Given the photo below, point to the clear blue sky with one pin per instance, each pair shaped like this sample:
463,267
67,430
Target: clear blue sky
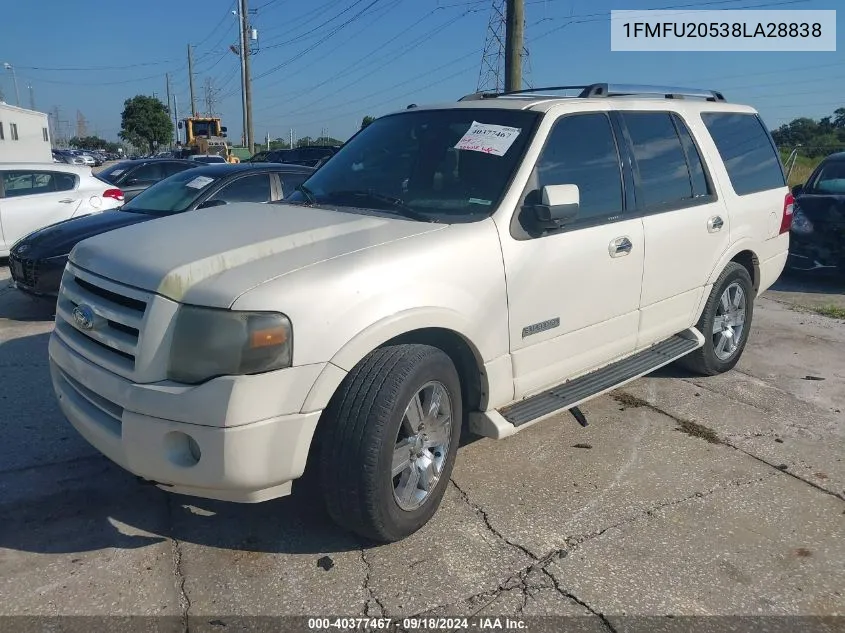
326,63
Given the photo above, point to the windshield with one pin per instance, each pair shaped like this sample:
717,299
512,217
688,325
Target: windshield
205,128
439,165
114,173
830,179
171,195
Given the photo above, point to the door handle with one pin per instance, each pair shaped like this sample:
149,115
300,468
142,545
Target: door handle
715,224
67,200
620,246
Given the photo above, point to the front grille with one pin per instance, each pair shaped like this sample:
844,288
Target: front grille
113,338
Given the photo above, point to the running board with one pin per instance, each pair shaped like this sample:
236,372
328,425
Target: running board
570,394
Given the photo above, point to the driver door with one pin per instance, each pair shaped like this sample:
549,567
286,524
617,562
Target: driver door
574,292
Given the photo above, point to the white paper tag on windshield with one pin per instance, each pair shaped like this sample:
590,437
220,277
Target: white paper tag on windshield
199,182
117,172
488,138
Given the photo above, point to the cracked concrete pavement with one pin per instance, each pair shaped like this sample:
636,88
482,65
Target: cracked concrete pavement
684,496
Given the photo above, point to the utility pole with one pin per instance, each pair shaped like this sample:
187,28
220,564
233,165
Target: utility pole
514,43
167,79
191,79
246,80
176,117
11,68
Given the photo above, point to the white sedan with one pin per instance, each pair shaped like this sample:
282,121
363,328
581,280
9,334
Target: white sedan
34,195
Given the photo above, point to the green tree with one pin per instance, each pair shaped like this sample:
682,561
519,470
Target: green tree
366,121
145,122
93,143
839,118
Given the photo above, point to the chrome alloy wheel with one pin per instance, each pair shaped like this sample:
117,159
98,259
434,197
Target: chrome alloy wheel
422,445
729,323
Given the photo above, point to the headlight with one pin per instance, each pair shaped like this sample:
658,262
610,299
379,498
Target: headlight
801,223
209,342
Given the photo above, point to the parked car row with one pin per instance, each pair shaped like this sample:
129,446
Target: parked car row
37,260
82,157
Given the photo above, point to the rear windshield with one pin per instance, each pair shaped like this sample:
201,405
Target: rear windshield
747,150
114,173
171,195
830,178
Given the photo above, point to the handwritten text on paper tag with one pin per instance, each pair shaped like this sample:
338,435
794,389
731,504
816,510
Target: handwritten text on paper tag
488,138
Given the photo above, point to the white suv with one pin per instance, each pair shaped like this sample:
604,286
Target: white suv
482,264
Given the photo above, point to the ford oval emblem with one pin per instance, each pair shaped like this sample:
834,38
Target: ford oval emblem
84,317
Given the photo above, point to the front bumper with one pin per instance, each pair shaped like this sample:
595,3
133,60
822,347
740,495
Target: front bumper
247,462
39,277
820,251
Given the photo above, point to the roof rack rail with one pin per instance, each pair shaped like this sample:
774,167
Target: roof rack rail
606,90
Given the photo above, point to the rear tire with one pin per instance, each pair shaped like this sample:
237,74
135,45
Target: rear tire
390,439
725,323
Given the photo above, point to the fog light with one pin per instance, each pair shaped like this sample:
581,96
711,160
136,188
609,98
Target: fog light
182,449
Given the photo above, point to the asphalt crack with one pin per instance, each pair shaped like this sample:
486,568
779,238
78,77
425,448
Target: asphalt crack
373,598
708,434
482,514
601,616
178,573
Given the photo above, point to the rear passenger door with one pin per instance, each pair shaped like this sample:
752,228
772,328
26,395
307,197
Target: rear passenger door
574,292
34,199
686,224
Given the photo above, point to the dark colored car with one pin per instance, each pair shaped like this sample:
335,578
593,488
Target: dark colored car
817,238
310,155
133,176
43,254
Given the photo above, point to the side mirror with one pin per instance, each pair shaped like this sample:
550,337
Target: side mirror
559,205
797,190
212,203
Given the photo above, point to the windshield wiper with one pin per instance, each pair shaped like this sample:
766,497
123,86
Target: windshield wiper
395,204
309,195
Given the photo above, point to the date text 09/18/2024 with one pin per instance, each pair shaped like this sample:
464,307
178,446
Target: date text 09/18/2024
417,624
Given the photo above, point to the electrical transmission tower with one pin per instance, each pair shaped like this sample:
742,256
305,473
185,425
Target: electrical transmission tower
211,95
491,78
81,125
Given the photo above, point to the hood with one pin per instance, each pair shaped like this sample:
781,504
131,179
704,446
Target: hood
58,239
213,256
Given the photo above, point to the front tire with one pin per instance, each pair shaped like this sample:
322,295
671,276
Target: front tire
390,441
725,323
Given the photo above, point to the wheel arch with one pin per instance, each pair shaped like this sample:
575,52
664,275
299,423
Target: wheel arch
441,328
741,253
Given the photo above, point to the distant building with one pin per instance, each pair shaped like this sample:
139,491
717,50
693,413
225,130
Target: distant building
24,136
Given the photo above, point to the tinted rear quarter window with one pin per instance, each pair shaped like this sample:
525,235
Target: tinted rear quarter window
747,150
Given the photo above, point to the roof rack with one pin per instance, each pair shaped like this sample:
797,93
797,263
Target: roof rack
604,90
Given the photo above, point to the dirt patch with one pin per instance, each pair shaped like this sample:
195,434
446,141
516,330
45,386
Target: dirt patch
698,430
628,401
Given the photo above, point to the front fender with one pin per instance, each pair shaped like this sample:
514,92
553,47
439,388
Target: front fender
377,334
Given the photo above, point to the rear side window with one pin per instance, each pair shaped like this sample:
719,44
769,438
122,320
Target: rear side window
291,181
28,183
581,150
747,151
145,174
255,188
664,177
175,168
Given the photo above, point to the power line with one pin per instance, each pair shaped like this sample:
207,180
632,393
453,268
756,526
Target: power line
316,28
391,56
